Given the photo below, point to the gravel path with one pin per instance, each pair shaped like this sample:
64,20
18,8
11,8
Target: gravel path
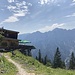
21,71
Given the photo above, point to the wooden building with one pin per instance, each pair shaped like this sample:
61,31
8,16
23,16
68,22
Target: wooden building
9,38
10,41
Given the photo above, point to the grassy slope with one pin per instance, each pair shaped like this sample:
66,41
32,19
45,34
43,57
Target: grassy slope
32,65
6,68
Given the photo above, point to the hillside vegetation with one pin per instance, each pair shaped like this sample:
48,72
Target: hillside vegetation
32,65
7,68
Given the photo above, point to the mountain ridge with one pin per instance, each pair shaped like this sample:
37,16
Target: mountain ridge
48,42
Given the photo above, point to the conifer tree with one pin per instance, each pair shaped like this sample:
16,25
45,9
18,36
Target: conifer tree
42,61
36,58
57,62
49,64
39,58
72,62
63,64
45,60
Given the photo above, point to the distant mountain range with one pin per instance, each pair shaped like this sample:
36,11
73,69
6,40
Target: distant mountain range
48,42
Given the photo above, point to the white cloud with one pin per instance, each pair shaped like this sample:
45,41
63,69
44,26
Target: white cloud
73,0
72,15
20,4
10,19
20,14
10,1
47,1
11,7
56,2
44,1
50,28
19,9
29,4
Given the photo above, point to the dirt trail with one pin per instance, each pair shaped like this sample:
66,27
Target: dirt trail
21,71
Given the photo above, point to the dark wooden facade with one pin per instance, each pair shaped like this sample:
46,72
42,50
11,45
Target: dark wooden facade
10,38
9,33
10,41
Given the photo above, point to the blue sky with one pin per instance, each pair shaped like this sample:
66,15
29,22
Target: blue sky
28,16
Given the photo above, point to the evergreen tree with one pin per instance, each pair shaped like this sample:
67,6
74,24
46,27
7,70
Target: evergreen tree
57,62
45,60
63,65
39,58
42,61
36,58
72,62
49,64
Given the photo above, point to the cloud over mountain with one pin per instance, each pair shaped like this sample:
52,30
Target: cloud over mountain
50,28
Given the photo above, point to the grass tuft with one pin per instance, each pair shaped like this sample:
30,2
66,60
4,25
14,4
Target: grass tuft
7,68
